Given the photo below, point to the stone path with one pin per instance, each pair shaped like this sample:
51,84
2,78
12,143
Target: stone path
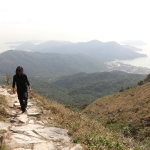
26,132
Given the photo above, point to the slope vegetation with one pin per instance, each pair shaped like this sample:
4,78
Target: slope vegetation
127,111
84,88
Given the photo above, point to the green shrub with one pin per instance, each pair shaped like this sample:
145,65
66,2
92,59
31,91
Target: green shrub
131,130
140,83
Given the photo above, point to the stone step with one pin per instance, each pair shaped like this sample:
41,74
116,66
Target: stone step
4,126
23,118
33,111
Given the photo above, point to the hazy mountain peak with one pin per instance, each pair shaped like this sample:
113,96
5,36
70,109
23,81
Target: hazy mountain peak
105,51
53,43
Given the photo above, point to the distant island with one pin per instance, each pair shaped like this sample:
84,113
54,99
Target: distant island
104,51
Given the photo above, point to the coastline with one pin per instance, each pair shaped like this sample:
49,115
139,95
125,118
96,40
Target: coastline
142,61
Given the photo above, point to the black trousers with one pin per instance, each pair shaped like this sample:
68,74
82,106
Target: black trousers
23,98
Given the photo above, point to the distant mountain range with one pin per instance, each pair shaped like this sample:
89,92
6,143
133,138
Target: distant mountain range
104,51
47,64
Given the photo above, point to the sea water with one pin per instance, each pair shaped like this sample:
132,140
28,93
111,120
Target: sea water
143,61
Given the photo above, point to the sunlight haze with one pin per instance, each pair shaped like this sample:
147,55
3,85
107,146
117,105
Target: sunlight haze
74,20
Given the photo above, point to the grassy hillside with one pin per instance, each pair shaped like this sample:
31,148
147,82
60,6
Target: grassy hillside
127,112
89,132
84,88
43,64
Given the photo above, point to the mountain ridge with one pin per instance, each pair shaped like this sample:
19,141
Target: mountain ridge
106,51
47,64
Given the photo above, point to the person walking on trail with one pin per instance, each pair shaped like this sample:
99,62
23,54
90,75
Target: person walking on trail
21,81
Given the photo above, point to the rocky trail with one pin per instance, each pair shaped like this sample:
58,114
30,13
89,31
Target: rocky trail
25,131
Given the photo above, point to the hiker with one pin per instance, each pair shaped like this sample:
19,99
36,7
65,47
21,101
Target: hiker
22,84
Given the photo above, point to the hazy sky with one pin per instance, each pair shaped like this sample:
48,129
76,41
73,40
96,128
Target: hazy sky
74,20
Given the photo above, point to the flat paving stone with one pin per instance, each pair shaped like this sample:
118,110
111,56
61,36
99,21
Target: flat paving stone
53,133
31,121
4,126
33,111
23,118
44,146
28,127
24,140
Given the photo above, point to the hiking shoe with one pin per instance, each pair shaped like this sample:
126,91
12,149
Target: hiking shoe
23,111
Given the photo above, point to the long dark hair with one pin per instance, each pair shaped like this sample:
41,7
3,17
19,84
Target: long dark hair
19,70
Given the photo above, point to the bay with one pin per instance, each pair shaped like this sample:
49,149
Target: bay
140,62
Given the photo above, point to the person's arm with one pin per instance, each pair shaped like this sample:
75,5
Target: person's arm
28,83
29,88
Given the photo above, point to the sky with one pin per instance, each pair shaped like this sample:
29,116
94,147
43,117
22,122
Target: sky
74,20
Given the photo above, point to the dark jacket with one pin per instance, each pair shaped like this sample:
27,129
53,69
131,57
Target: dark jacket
21,82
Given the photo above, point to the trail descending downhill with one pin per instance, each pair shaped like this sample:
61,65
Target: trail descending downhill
28,131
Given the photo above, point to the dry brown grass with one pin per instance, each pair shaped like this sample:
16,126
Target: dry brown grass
4,146
92,134
129,106
3,106
3,117
127,112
